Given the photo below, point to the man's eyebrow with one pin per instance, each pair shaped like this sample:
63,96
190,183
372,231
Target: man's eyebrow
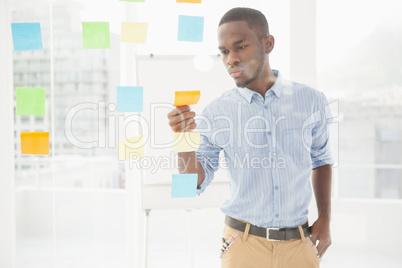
235,43
239,42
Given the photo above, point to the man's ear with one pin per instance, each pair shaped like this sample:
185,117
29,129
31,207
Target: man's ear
269,43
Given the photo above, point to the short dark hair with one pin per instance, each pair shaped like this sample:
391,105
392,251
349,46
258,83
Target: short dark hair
255,19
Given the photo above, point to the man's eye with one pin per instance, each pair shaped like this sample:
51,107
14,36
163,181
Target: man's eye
242,47
223,52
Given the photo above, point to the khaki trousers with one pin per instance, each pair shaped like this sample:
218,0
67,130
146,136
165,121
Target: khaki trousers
249,251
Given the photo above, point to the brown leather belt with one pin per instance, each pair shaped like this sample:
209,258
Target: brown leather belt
271,234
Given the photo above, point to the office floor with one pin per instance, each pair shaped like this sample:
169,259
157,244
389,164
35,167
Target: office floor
168,247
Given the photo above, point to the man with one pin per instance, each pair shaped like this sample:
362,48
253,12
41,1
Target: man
274,135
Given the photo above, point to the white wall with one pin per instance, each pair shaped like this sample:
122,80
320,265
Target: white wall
7,222
357,225
79,213
372,225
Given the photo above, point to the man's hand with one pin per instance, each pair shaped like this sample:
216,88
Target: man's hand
322,180
181,119
321,231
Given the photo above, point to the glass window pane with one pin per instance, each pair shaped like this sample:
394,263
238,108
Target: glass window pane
70,204
358,54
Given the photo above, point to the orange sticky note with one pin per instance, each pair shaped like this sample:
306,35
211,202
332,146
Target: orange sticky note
35,143
186,97
189,1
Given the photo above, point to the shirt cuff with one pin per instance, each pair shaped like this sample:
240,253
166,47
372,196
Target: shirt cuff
207,178
319,163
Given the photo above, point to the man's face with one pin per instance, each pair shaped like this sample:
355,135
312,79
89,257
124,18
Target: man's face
242,52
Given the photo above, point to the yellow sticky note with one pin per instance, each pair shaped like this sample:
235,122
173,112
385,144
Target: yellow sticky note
35,143
131,148
186,141
134,32
186,97
189,1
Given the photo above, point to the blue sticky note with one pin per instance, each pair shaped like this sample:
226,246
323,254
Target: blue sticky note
26,36
190,28
184,185
129,99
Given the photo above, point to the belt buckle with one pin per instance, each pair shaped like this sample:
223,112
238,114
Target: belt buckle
274,229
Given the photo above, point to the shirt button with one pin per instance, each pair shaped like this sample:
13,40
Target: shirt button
276,215
269,132
276,187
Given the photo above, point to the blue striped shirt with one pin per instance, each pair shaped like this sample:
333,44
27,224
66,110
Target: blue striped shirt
270,147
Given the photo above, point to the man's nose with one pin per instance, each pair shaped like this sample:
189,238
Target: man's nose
233,58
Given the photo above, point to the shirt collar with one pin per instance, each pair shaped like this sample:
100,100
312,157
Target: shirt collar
276,88
247,93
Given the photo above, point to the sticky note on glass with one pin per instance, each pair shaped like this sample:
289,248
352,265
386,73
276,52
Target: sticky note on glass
26,36
189,1
184,185
186,141
191,28
95,35
35,143
134,32
186,97
129,99
30,101
131,148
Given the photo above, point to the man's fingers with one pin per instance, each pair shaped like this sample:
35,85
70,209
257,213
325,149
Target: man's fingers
322,252
322,247
183,108
180,118
313,238
320,232
185,124
189,127
178,110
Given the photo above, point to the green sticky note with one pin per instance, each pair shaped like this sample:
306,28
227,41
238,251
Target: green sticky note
132,0
95,35
30,101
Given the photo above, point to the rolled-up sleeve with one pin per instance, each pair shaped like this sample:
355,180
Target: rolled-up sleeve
320,148
207,153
